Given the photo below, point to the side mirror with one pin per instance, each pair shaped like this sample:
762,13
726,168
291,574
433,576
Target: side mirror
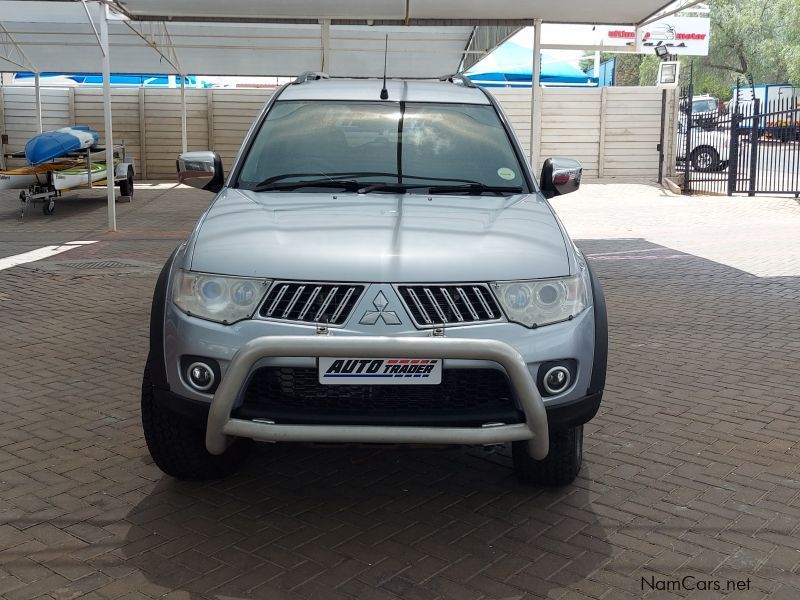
560,176
202,170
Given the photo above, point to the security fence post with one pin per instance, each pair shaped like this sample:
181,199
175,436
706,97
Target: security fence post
754,134
687,149
733,152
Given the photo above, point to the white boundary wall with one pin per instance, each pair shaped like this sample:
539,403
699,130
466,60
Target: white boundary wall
612,131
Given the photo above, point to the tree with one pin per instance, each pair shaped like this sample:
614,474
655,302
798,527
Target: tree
626,69
755,38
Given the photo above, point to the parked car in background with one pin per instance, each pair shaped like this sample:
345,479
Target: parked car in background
710,149
705,112
380,266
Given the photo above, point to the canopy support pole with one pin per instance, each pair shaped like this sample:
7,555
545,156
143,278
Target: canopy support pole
37,91
325,35
112,207
597,66
536,93
184,137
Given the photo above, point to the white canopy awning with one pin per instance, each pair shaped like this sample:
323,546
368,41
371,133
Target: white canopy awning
236,49
61,38
402,12
427,38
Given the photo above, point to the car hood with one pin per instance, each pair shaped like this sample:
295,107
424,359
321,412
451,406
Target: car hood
379,237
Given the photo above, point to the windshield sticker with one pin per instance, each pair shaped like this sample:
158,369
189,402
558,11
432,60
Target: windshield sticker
506,173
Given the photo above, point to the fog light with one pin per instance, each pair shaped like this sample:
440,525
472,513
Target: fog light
556,380
200,376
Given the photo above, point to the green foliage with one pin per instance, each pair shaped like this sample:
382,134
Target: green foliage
755,38
627,68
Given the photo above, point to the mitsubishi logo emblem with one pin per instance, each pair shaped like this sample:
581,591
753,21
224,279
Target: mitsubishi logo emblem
380,303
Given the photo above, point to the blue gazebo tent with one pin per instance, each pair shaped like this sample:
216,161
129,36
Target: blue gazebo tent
511,64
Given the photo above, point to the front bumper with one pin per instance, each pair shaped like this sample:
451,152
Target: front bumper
221,425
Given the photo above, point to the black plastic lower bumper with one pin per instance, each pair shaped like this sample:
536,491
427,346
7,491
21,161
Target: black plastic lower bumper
570,414
574,413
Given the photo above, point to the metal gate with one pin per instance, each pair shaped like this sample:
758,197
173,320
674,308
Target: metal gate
748,148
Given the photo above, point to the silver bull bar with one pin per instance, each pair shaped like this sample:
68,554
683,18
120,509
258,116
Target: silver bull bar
221,426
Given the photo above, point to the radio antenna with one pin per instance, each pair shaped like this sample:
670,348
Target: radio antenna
384,91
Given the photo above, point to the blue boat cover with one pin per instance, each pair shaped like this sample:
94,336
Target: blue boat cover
54,144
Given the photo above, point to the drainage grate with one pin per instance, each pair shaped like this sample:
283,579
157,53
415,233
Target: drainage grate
95,267
102,264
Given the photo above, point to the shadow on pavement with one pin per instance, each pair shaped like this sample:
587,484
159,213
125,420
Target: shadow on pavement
328,521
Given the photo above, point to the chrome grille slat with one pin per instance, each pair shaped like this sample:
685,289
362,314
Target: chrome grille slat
311,302
278,298
452,304
468,303
293,301
422,312
307,305
479,294
436,306
325,304
342,304
460,304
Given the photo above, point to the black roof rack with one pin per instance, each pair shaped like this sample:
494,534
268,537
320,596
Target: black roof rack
310,76
458,79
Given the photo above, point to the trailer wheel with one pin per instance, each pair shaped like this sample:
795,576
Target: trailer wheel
49,207
126,185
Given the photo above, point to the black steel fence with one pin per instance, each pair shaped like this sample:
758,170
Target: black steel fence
749,146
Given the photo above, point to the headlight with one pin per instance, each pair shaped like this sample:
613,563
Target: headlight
216,298
544,301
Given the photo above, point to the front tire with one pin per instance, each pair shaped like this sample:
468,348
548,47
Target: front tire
559,467
178,448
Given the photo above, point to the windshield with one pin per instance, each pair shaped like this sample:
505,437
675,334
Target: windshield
414,144
704,106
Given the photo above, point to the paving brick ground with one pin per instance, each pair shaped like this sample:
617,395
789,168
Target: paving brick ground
692,466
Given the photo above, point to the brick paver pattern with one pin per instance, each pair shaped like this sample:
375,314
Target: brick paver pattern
692,467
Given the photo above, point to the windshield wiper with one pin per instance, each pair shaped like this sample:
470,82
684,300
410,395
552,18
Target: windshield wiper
272,183
470,188
345,184
329,177
475,189
391,187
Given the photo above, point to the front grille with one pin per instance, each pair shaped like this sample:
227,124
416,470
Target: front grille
294,395
431,305
329,303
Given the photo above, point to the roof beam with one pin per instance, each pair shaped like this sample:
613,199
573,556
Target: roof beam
91,22
158,28
10,47
660,14
483,40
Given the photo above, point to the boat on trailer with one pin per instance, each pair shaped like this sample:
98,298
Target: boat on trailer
79,176
24,177
49,145
82,169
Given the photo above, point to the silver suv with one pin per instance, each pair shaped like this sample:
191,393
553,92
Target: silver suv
380,266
